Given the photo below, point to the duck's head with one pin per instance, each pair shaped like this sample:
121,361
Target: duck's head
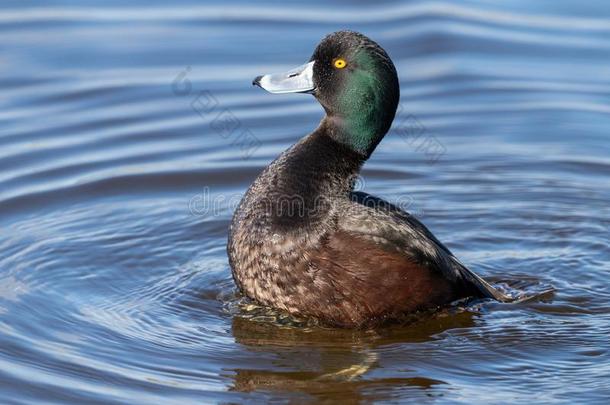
355,81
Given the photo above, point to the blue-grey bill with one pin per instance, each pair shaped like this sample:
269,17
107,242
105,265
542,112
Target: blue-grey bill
299,80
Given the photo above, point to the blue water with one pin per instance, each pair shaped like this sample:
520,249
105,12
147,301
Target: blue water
128,133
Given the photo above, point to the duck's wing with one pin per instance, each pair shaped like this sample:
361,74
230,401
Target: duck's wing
387,225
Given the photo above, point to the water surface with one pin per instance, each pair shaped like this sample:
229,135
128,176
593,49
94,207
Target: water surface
128,132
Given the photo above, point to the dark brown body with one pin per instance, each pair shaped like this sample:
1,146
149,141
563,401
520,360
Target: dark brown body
348,259
371,285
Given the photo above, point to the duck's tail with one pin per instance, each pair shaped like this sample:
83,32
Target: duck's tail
485,289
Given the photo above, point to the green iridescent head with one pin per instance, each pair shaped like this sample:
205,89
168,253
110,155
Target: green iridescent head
355,81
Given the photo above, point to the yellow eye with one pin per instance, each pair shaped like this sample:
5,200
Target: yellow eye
340,63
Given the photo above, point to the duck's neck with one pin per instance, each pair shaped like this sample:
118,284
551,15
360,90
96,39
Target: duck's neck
301,187
361,128
321,164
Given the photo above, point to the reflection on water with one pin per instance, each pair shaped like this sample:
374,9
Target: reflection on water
117,187
330,363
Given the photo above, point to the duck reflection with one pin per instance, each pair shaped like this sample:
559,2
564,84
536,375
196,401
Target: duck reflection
349,364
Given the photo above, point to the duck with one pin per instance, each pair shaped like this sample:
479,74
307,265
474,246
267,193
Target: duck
302,240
